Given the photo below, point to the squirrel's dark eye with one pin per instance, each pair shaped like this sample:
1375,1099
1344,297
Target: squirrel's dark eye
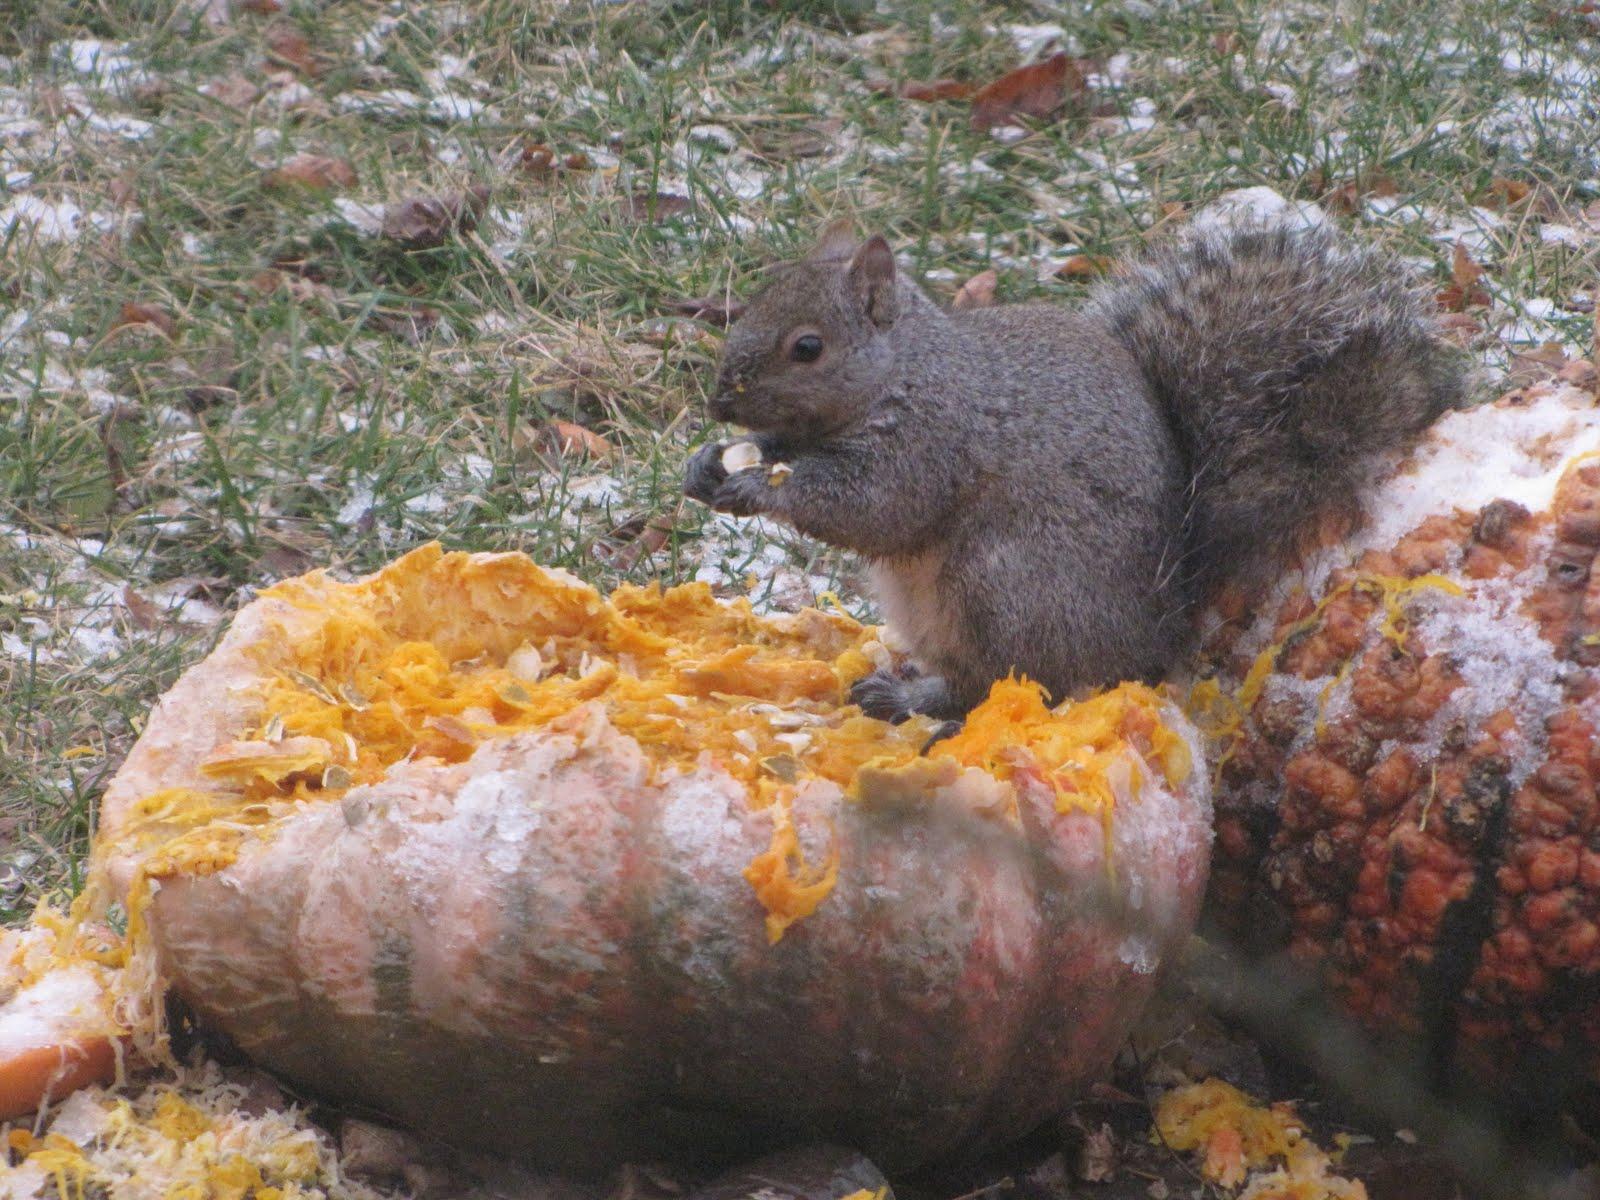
806,348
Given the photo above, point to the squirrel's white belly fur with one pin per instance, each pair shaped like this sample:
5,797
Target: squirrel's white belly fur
909,599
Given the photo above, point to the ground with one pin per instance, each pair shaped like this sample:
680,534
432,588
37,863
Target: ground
288,284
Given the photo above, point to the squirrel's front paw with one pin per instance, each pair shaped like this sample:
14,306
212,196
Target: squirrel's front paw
705,473
742,494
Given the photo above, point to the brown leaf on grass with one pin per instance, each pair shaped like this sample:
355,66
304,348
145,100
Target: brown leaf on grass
633,541
1464,290
1346,198
423,222
291,48
938,89
234,91
122,189
260,8
1084,266
265,282
1037,91
647,207
411,324
135,312
720,311
210,378
1458,328
1534,366
787,142
1504,193
571,440
977,292
143,612
537,159
284,560
317,172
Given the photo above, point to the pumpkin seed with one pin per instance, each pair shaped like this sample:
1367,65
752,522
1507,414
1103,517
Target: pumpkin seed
785,766
311,684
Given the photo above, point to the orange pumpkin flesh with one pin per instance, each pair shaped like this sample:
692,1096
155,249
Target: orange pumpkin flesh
579,878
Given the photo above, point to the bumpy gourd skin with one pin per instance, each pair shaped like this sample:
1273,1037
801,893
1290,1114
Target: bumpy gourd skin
1409,800
554,947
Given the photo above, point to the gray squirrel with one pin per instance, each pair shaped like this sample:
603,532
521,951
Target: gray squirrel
1057,493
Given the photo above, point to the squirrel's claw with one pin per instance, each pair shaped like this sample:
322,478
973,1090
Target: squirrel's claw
945,729
882,695
705,473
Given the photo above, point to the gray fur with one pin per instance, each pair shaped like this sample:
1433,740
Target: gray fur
1052,493
1285,360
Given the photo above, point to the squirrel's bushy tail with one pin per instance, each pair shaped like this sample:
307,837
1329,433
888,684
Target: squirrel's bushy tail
1286,360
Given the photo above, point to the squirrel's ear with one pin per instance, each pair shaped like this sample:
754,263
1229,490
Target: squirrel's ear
838,241
872,279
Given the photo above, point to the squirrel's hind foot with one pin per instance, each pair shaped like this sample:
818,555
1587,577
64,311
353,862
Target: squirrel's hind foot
894,698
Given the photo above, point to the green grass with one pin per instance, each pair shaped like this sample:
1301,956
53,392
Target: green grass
329,397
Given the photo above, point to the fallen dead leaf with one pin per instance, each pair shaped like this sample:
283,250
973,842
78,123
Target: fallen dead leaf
787,142
315,171
122,189
977,292
265,282
537,159
283,561
136,313
423,222
1459,328
236,92
144,613
291,48
569,439
411,324
639,546
1533,366
642,207
1038,91
260,8
938,89
720,311
1464,290
1346,198
1504,193
1084,266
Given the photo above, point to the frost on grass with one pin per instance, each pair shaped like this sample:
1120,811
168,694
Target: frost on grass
68,610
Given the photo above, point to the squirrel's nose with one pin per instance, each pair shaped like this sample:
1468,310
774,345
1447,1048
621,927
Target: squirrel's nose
724,401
